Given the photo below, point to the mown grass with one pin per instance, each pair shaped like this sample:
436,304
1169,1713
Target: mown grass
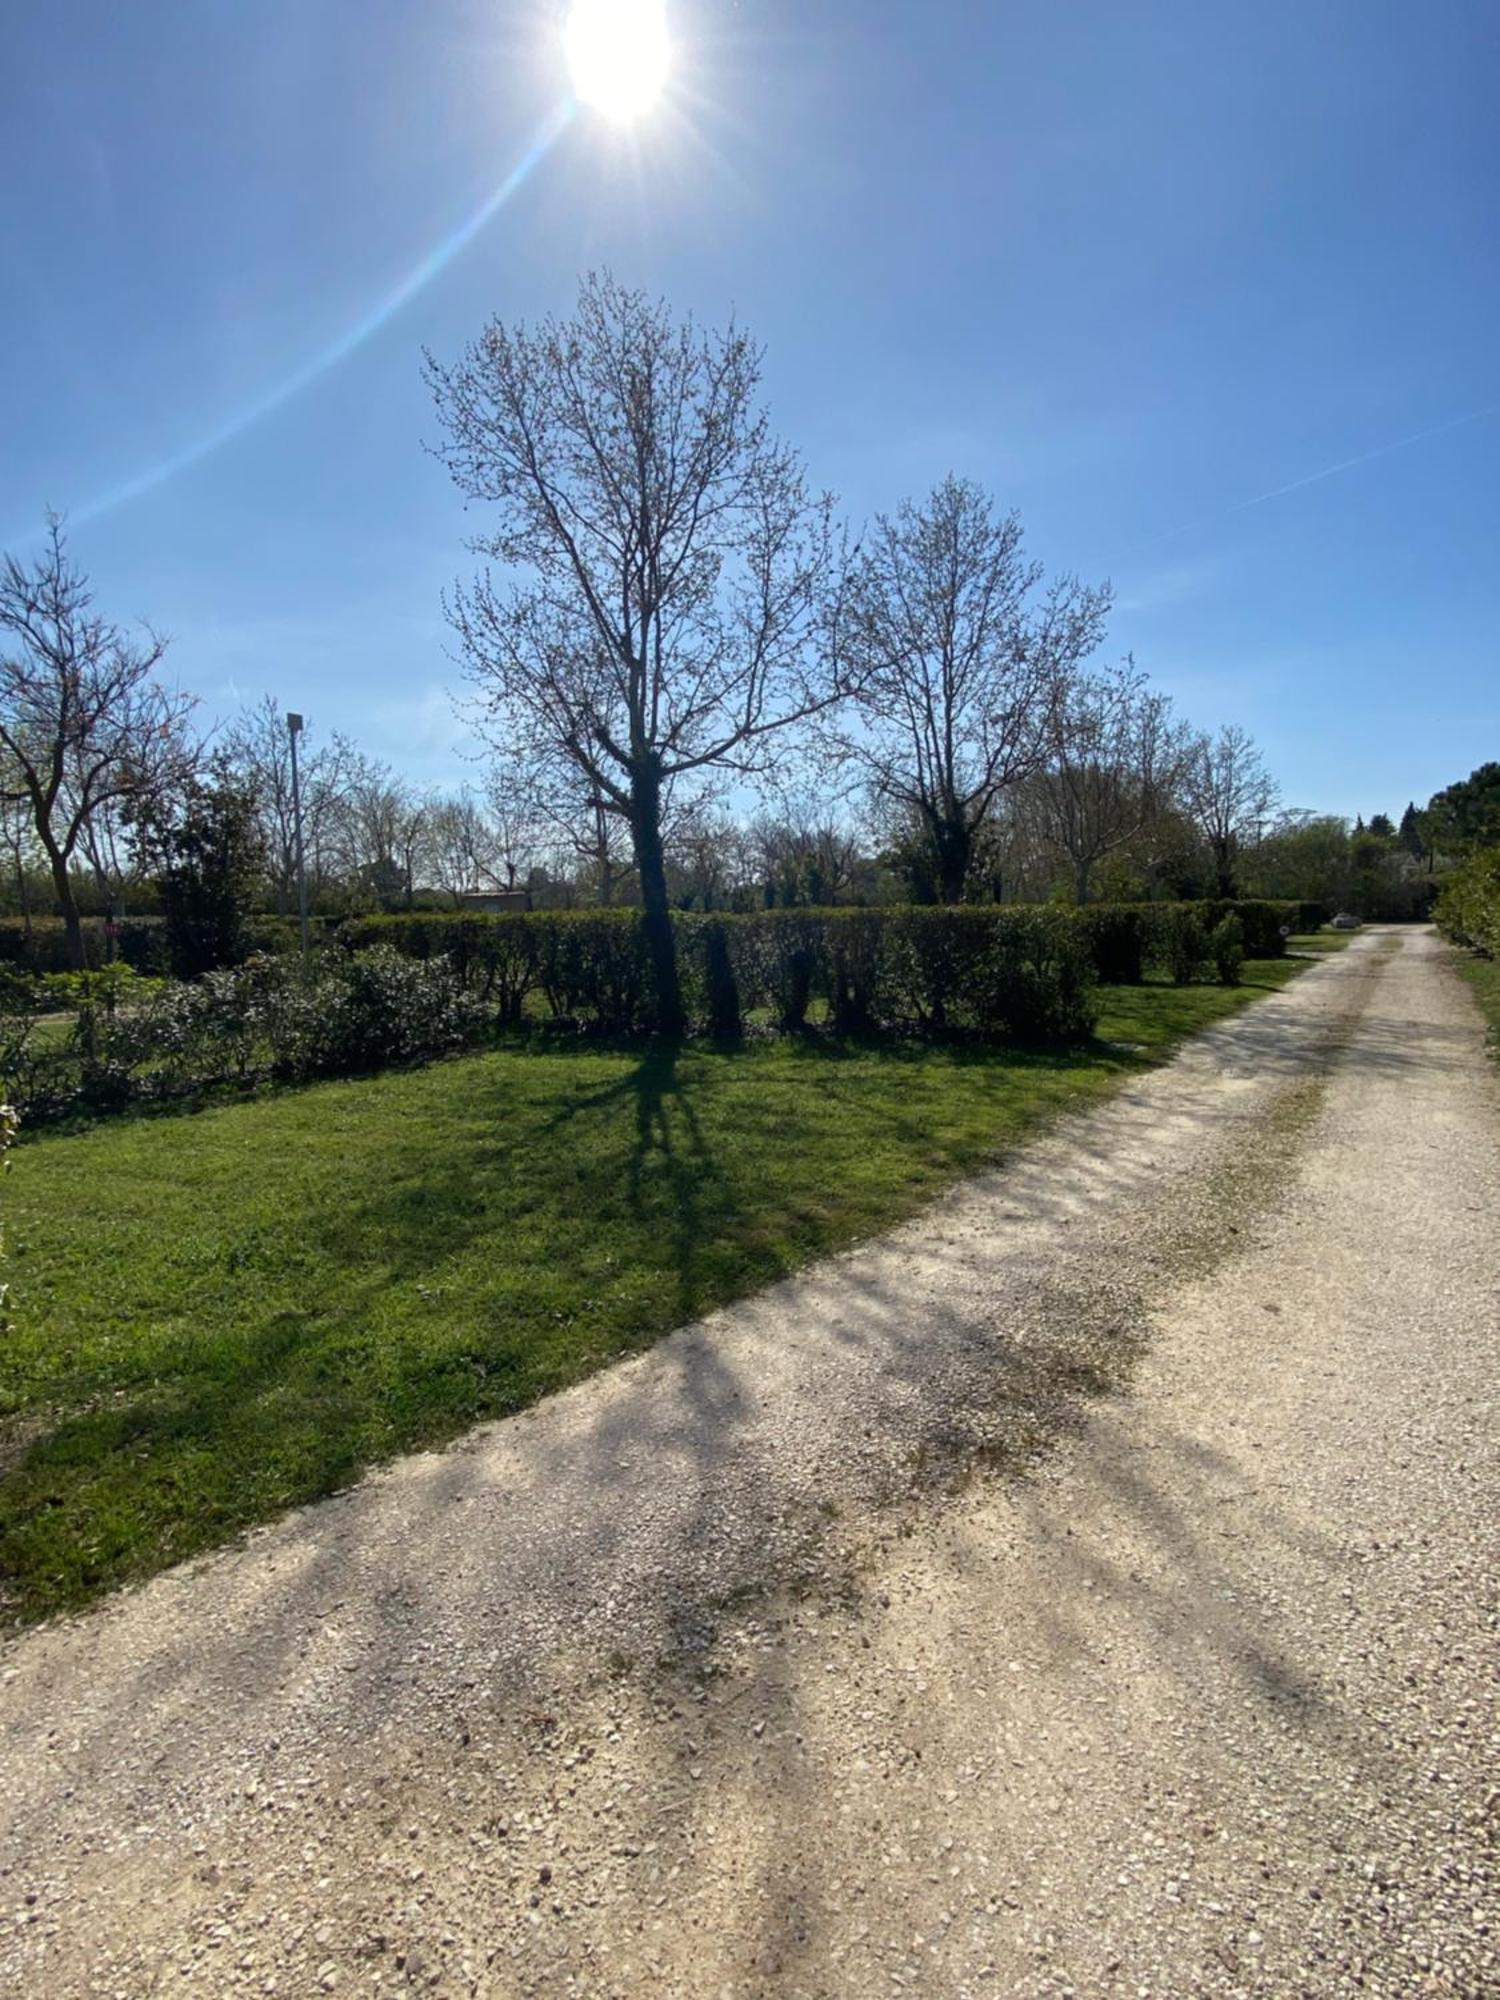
1321,941
219,1315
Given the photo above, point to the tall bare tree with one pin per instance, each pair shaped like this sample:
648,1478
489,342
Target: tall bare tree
18,831
382,831
543,805
676,610
801,849
258,748
1114,762
961,660
519,818
86,729
1230,797
462,845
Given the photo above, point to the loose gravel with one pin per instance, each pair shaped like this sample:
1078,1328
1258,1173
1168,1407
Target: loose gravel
1088,1588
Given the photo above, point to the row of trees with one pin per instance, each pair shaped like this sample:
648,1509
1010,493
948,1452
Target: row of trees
692,684
670,609
115,801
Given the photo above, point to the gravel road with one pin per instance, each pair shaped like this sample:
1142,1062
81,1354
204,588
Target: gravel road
1088,1588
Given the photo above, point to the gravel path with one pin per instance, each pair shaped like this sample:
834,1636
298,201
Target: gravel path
1088,1588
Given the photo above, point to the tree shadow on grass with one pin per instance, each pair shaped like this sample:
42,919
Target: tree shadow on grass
292,1405
289,1406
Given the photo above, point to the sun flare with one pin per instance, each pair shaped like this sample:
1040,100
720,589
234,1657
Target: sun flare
618,53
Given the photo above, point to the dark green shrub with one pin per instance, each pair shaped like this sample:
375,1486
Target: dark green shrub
1041,980
722,1014
1117,936
1468,906
139,942
1261,924
367,1011
937,963
1180,942
1226,941
594,968
858,969
1022,973
269,937
788,949
211,857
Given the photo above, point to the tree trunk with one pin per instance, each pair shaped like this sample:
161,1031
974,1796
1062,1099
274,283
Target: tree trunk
955,847
23,889
67,902
1082,871
645,829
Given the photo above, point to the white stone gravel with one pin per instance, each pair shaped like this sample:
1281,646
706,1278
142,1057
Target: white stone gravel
847,1644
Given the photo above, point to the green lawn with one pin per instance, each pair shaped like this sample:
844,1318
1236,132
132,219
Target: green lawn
1321,941
220,1314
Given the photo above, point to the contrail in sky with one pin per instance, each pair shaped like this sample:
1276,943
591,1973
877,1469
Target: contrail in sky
1364,457
1327,472
340,349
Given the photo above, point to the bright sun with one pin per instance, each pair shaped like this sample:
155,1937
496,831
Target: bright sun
618,53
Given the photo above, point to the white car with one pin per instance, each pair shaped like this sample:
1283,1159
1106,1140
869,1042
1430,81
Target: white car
1344,921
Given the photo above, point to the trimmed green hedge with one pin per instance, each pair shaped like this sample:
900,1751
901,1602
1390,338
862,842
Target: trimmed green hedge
1021,973
1468,906
140,943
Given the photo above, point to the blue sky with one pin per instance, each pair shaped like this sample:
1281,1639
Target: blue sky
1133,267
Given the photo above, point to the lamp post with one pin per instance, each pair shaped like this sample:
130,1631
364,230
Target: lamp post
294,730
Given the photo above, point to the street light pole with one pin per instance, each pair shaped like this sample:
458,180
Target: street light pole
294,730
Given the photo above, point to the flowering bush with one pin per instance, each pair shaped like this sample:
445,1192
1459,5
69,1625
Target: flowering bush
369,1011
244,1024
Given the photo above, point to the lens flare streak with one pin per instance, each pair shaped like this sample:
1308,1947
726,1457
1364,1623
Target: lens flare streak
354,337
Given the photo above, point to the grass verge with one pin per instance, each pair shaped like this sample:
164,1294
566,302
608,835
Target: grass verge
1483,975
221,1315
1321,941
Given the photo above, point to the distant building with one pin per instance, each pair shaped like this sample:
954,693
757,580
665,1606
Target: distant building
494,902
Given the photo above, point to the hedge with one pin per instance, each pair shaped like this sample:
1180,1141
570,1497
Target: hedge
242,1026
1468,905
140,943
1022,973
405,988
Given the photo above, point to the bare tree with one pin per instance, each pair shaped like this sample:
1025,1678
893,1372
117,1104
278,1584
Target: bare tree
1114,762
705,856
803,852
382,830
108,843
543,803
258,748
677,611
19,833
462,845
591,848
519,820
85,728
960,668
1230,797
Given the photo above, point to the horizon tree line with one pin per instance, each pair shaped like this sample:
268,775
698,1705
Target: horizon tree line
693,682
